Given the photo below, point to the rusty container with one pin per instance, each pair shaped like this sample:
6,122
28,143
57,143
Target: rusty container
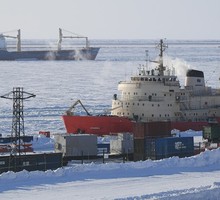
139,149
151,129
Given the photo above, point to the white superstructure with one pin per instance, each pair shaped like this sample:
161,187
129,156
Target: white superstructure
156,95
3,46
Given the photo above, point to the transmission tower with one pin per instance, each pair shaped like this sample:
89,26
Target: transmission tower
18,97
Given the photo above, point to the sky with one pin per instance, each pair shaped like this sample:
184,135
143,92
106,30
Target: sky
113,19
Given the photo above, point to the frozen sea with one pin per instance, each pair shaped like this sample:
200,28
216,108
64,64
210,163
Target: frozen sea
58,84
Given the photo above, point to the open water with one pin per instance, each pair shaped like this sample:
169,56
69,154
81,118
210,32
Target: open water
58,84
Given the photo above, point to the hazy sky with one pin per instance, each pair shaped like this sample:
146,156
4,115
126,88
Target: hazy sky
113,19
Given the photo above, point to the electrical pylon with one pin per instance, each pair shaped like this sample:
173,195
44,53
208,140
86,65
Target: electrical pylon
18,96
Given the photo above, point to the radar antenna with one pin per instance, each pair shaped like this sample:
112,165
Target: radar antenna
162,48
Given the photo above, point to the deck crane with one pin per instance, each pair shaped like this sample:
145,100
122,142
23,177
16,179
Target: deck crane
74,35
70,110
18,37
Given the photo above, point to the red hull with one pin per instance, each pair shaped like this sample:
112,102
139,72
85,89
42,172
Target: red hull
99,125
106,125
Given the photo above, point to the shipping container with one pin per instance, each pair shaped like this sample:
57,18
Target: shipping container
167,147
10,139
30,162
122,144
139,149
76,145
212,133
151,129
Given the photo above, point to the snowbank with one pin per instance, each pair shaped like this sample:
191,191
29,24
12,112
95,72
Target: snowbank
206,162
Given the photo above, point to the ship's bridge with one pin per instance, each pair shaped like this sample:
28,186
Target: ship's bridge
168,79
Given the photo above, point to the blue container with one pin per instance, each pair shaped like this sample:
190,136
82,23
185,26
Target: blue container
10,139
31,162
167,147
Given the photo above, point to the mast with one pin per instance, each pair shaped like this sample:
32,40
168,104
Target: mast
60,39
19,40
162,48
87,42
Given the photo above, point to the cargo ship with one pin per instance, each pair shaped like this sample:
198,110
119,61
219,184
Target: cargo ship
154,95
84,53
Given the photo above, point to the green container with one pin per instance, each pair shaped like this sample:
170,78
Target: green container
212,133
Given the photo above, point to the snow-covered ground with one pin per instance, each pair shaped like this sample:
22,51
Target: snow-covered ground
197,177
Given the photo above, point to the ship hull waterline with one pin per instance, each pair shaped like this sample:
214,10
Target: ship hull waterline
107,125
75,54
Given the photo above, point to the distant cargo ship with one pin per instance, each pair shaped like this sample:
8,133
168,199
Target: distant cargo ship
85,53
154,95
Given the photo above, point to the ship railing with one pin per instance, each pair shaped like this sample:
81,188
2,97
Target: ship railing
216,92
138,80
45,45
202,93
187,106
208,91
